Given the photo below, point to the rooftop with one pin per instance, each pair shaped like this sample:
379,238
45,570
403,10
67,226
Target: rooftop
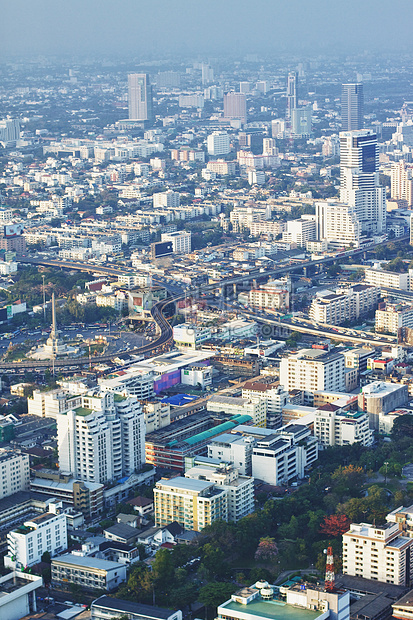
273,610
87,562
145,611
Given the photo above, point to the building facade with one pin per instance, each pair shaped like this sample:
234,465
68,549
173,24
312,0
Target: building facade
352,107
140,97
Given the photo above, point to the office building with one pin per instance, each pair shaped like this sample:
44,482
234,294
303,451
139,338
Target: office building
312,370
333,426
235,106
292,94
352,107
194,504
301,121
140,97
401,176
239,489
218,143
233,448
377,552
15,472
344,305
105,608
9,130
190,336
393,317
18,595
88,572
103,439
181,241
27,543
359,179
337,223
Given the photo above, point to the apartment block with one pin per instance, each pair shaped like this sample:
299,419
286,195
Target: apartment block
270,296
50,404
181,241
88,572
233,448
377,552
257,408
335,427
157,415
387,279
194,504
300,231
275,395
27,543
312,370
393,317
14,472
344,305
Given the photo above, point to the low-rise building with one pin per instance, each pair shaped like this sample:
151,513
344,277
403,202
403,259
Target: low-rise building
393,317
18,595
380,398
105,607
256,408
387,279
87,572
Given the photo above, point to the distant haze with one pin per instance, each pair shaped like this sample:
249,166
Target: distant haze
159,27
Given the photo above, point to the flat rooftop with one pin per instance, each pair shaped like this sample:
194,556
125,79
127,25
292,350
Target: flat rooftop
273,610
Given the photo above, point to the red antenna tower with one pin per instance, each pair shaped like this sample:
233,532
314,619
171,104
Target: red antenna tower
330,575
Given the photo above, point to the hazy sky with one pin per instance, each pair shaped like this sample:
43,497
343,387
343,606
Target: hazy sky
212,26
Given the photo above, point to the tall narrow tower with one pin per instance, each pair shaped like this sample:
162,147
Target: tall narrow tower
292,94
359,179
352,107
140,97
330,576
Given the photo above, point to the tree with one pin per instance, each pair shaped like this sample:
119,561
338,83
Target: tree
335,525
402,427
267,549
163,569
214,593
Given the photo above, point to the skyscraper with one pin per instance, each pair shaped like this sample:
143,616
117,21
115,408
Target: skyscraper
292,95
352,107
235,106
140,97
359,179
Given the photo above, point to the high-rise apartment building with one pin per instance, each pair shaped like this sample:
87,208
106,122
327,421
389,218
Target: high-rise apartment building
359,179
352,107
337,223
103,439
218,143
311,370
301,121
15,472
292,94
140,97
235,106
377,552
9,130
207,74
402,182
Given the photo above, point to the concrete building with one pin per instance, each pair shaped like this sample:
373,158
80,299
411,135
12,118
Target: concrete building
275,396
102,440
300,231
359,179
271,296
301,121
218,143
401,176
140,97
292,93
27,543
393,317
344,305
352,106
233,448
222,167
256,408
380,398
105,608
188,336
337,223
335,427
387,279
312,370
181,241
9,130
282,455
235,106
157,415
239,488
194,504
377,552
168,200
15,472
88,572
18,595
50,404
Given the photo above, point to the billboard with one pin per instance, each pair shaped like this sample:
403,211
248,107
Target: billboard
161,248
12,230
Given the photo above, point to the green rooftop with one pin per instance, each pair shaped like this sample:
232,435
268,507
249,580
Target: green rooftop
272,610
83,411
119,398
